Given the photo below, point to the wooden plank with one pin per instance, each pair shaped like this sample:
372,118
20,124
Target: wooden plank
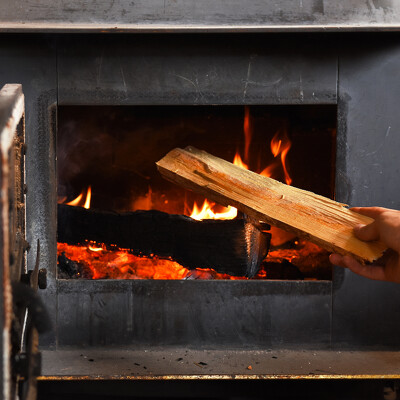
11,111
316,218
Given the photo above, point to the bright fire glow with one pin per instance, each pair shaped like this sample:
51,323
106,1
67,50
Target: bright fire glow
88,198
144,202
101,263
280,145
207,212
239,162
78,201
269,171
93,248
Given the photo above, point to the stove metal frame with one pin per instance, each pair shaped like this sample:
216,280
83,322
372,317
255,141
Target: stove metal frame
358,72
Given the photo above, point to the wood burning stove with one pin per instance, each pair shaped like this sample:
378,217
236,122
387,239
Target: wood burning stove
353,75
113,150
308,81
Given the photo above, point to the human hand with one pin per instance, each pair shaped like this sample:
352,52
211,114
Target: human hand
386,228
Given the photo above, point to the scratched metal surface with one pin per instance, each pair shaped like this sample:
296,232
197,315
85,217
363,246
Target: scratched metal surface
192,69
192,15
368,174
31,61
193,313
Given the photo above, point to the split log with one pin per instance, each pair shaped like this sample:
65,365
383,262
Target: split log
318,219
236,247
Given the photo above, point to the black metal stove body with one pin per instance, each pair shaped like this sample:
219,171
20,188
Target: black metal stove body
357,72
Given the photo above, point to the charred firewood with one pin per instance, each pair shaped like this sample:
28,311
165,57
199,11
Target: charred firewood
236,247
70,269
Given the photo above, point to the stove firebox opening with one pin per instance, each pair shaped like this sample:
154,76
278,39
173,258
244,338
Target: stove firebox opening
106,164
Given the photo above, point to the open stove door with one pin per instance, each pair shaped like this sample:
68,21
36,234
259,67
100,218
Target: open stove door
12,227
21,310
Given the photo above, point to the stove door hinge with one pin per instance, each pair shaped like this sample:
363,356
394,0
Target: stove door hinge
31,320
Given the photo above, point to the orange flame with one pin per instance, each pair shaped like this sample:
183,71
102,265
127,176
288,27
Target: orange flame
248,132
269,171
78,200
280,145
238,161
207,209
144,202
207,212
88,198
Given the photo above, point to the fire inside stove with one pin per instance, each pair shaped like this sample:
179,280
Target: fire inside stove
106,172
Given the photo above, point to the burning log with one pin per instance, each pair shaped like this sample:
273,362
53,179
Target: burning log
236,247
312,217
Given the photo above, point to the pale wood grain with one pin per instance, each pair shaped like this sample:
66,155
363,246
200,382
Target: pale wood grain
316,218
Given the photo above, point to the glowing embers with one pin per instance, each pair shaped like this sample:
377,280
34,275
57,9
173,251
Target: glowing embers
296,260
97,261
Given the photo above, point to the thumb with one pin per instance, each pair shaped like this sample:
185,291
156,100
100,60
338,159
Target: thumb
367,232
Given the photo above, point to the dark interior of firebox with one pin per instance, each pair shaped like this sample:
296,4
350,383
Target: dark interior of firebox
106,159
